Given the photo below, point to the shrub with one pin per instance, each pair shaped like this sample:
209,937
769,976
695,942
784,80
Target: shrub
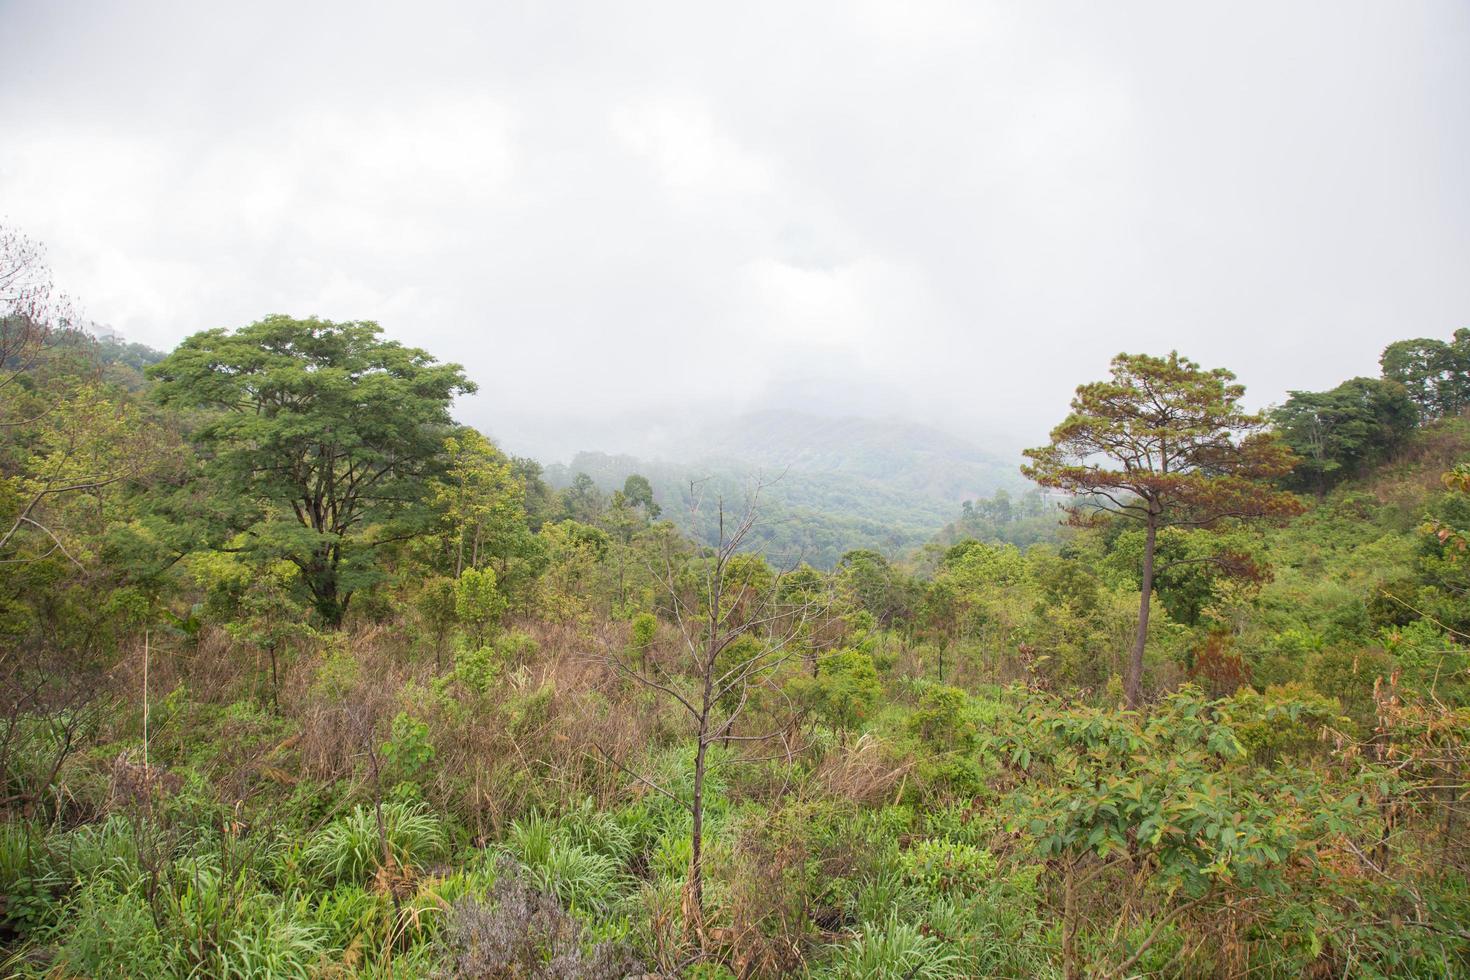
111,934
522,931
943,718
640,637
1285,721
892,950
349,850
409,752
844,691
476,668
478,602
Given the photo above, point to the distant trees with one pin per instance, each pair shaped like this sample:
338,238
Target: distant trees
582,501
1165,443
1435,374
31,308
876,586
1339,433
1023,520
1363,421
317,435
639,493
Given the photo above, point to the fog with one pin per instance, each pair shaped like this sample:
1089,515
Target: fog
626,218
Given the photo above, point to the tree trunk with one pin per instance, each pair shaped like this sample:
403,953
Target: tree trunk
275,684
694,889
1134,681
321,578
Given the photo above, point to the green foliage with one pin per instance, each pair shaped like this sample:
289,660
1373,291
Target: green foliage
844,692
1285,722
1341,432
945,719
478,603
351,849
894,950
641,633
436,607
481,500
409,752
317,433
1349,674
1171,784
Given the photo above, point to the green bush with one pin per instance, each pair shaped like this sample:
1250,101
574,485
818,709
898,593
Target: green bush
349,848
893,950
111,933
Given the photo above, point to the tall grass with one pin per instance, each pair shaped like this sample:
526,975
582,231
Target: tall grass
350,849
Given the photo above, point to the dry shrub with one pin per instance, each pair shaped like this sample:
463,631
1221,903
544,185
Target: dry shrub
542,735
1220,670
214,670
524,932
771,923
1416,470
779,877
865,771
345,696
137,783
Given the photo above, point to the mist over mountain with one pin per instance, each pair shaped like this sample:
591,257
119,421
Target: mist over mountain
825,485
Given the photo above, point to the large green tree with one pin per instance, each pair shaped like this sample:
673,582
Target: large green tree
321,435
1436,374
1166,443
1338,433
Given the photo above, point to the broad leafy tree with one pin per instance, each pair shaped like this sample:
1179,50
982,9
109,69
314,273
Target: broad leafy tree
1165,443
639,493
1436,374
483,503
583,502
323,435
1339,432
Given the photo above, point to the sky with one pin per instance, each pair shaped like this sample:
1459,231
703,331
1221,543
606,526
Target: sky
625,219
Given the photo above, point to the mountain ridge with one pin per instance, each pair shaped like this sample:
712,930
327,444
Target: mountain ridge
828,484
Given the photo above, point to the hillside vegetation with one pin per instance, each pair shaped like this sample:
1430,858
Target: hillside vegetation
301,678
828,486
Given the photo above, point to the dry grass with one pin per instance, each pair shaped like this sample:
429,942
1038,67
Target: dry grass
865,771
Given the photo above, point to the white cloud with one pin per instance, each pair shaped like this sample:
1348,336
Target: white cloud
615,216
696,161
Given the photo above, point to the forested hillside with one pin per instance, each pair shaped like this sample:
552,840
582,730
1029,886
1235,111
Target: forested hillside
301,677
827,486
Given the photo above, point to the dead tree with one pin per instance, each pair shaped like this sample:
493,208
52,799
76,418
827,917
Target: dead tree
713,609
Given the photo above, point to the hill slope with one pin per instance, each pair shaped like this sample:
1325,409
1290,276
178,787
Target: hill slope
827,485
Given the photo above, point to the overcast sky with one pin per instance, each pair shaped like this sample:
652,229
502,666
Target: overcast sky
621,216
